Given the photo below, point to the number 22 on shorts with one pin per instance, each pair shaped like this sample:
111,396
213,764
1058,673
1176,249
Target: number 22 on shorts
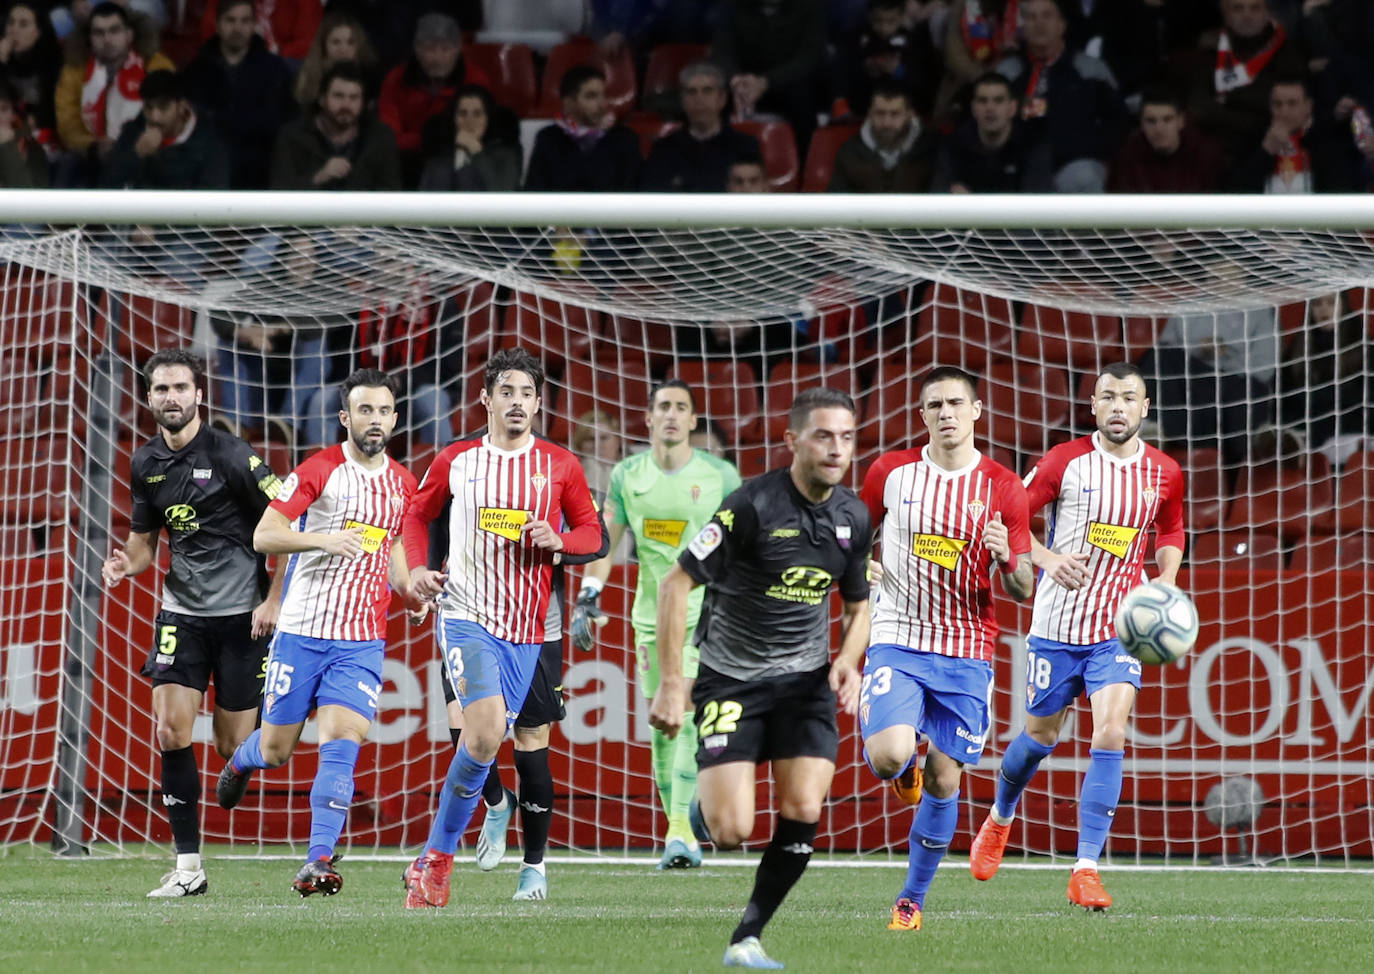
720,717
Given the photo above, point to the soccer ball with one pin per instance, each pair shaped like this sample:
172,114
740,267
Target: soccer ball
1156,623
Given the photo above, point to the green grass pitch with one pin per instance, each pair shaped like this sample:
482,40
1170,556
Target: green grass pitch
92,915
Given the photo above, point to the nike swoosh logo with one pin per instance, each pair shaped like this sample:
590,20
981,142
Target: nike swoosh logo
475,479
1089,490
336,805
933,845
973,749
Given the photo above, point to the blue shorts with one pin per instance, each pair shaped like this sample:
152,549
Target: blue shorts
1056,673
479,665
943,697
304,673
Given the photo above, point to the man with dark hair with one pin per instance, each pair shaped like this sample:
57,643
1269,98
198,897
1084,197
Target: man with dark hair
663,496
1104,493
341,145
1299,152
331,637
586,150
950,519
1165,154
994,151
245,88
505,492
97,96
765,690
697,157
207,489
747,175
167,146
892,152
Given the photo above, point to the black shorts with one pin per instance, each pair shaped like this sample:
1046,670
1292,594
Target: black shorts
188,649
790,716
544,702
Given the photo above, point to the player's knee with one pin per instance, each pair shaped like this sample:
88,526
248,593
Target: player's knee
1044,736
224,747
887,766
727,836
274,753
1110,737
173,738
942,783
800,809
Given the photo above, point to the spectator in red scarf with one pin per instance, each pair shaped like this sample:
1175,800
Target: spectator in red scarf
1298,153
31,60
978,34
424,86
97,92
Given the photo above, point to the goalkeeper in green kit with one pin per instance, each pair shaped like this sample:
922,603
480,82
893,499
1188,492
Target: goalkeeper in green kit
664,496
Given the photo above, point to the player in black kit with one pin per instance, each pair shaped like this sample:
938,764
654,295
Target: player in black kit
208,489
766,690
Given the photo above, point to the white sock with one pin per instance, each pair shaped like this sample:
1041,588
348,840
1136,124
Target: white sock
1085,864
188,861
1000,819
539,866
501,805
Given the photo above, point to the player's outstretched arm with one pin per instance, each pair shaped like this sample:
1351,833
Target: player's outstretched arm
273,536
845,677
137,554
670,701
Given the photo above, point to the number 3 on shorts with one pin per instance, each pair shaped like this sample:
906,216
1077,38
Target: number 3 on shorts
720,717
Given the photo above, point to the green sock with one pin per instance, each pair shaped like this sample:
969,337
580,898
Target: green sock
663,751
684,779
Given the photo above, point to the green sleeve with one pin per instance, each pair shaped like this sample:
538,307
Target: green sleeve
615,493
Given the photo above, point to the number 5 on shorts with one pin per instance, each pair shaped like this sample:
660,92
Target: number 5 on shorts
720,717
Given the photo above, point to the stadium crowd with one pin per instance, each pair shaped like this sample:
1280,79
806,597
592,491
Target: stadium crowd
849,95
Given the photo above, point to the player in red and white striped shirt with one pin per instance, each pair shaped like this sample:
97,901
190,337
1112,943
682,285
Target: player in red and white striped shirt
950,519
347,502
506,491
1105,493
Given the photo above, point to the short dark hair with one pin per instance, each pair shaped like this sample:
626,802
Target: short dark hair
809,400
577,76
994,78
514,360
175,356
1125,370
1289,78
940,373
163,86
343,71
108,9
367,379
224,6
1163,95
675,384
888,88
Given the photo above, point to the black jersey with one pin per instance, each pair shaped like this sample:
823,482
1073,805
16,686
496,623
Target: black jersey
209,496
769,558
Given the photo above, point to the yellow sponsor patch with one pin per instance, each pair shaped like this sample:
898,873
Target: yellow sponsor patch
938,549
664,531
502,521
373,536
1112,538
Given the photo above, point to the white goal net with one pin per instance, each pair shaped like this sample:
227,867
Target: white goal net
1257,347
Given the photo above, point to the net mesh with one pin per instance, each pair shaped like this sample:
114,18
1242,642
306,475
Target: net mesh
1258,743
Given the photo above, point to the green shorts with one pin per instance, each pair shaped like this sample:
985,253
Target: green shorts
646,662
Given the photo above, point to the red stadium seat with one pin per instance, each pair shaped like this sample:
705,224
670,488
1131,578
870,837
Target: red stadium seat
148,324
1236,549
892,415
1318,555
968,328
727,392
619,389
1287,502
637,338
1355,494
820,156
650,128
779,148
787,379
1073,339
621,86
1025,407
554,330
1141,333
37,475
1204,485
666,62
511,70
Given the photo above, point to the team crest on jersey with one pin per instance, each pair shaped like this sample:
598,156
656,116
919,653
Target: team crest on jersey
267,703
937,549
201,475
1115,539
396,502
502,521
696,493
975,508
843,534
1149,494
538,481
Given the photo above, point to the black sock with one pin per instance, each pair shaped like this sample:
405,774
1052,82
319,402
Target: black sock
782,865
492,790
536,801
454,733
181,798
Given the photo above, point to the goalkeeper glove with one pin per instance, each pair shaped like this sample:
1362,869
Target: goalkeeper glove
586,615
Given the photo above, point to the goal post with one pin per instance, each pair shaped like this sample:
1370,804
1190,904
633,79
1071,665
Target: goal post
1251,315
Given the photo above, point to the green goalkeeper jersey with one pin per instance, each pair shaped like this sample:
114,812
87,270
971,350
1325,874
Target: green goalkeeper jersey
665,511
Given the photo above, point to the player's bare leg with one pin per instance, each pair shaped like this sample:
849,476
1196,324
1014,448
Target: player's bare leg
801,785
891,754
1019,764
1100,792
175,708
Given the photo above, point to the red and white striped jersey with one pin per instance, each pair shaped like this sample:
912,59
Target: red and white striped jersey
497,577
1103,507
329,596
936,593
